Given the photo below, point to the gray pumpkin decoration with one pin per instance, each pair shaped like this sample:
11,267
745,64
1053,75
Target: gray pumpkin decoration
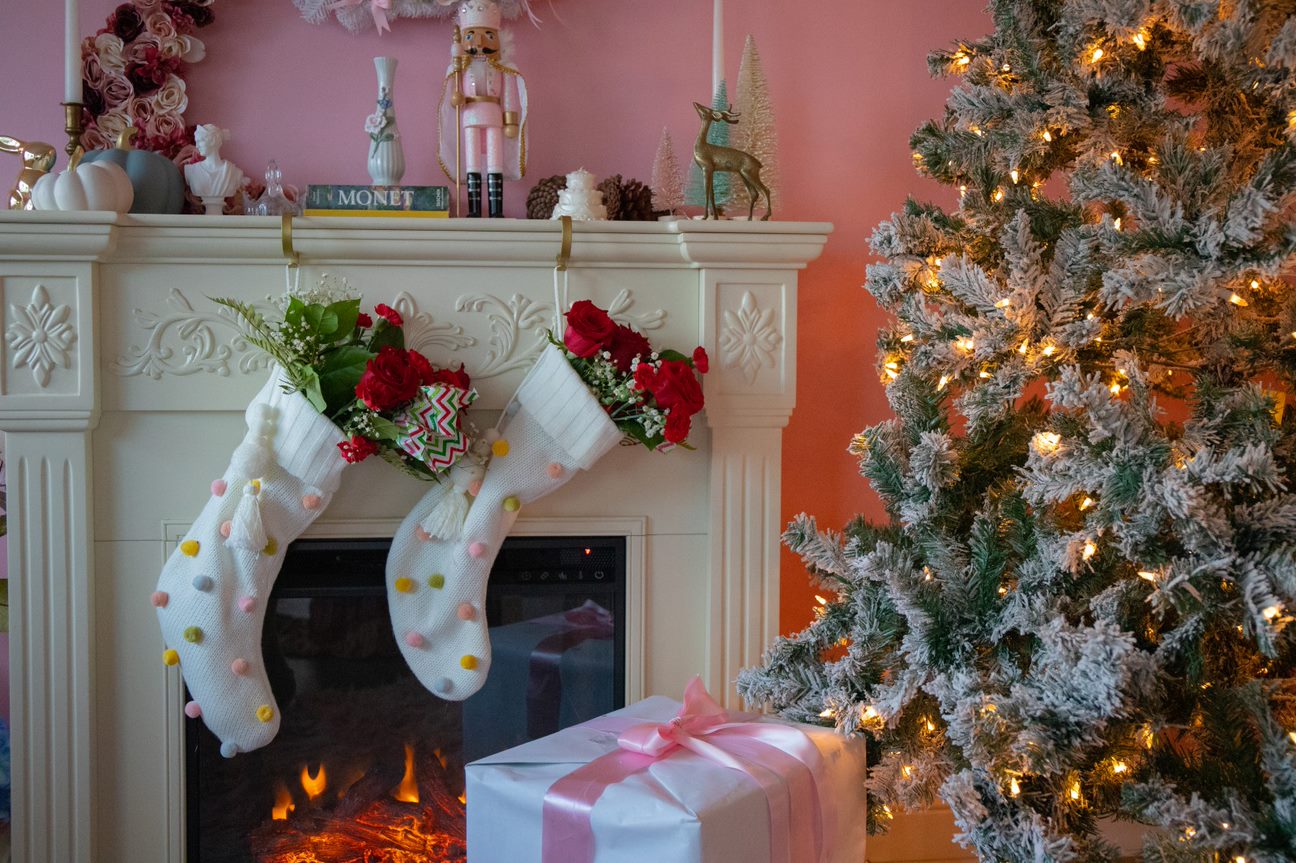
159,186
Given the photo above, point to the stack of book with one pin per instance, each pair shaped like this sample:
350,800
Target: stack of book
425,202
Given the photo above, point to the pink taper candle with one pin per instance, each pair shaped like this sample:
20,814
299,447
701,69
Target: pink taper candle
71,53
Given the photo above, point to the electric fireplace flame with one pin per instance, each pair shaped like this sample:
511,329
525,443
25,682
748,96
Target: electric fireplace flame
315,785
283,803
407,791
369,816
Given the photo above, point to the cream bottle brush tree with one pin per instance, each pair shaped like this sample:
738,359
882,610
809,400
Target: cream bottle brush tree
757,134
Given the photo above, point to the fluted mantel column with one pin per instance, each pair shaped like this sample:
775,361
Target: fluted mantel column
48,407
750,322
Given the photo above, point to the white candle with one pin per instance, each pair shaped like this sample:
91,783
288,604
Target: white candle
717,47
71,53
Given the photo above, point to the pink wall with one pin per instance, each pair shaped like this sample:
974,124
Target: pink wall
849,85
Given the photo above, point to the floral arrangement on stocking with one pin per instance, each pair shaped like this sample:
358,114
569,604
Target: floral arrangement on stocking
388,401
651,396
602,384
133,75
344,387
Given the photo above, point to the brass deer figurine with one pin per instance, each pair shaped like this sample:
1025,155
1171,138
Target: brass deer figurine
38,160
712,157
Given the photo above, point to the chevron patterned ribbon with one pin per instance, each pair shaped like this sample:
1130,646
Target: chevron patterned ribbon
429,429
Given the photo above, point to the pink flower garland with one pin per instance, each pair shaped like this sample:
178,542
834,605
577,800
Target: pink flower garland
133,75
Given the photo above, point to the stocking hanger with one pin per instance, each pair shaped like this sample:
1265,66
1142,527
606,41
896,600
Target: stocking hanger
292,273
560,276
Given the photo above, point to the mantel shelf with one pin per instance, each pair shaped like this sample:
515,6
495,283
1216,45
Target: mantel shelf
501,242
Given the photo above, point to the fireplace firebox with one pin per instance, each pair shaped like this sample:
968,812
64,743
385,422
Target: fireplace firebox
368,765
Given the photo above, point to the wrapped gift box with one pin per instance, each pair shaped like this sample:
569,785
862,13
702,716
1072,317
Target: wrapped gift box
683,807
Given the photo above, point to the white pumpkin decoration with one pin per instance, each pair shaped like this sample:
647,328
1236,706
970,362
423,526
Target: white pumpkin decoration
85,186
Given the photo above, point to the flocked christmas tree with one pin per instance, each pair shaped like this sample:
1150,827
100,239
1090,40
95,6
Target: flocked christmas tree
1080,606
755,132
719,135
667,179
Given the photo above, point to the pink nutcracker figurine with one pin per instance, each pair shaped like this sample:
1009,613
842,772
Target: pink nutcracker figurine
483,109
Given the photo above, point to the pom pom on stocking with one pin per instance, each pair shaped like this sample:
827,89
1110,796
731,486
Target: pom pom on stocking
211,597
436,587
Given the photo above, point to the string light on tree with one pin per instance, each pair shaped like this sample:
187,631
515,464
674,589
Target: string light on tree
1046,442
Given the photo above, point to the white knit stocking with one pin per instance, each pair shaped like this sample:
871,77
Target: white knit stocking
211,598
435,588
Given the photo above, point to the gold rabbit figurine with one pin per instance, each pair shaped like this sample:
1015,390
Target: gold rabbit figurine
38,160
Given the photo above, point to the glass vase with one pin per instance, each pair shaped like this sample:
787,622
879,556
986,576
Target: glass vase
386,159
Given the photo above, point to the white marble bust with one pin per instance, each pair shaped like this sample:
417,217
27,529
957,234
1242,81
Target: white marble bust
214,178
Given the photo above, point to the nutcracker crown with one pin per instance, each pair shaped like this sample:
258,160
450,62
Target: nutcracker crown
479,13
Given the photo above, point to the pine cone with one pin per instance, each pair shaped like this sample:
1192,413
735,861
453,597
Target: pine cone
636,202
611,189
543,197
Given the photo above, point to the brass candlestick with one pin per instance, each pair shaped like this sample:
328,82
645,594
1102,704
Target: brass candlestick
72,125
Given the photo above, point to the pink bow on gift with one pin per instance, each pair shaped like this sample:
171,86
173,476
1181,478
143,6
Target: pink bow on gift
780,759
377,8
699,716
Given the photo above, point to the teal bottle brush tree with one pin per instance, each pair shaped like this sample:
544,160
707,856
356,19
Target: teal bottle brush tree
1080,606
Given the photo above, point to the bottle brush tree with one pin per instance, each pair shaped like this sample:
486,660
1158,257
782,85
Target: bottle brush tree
667,179
1080,605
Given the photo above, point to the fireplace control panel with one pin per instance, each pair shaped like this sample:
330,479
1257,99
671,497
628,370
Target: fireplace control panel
551,561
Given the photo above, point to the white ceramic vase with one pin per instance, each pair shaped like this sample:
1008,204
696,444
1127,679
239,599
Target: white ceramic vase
386,158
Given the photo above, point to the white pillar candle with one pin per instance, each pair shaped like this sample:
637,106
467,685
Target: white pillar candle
717,47
71,53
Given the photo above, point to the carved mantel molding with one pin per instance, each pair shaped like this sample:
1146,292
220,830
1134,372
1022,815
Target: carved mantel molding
116,360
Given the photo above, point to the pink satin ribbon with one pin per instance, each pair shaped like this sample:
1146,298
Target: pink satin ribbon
377,8
780,759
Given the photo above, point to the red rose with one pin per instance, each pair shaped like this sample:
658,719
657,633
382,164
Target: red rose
357,449
452,377
389,379
393,317
676,387
701,361
627,344
589,329
421,367
677,427
645,374
429,374
364,321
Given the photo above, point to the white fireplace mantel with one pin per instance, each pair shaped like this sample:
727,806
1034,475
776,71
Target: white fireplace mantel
121,391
